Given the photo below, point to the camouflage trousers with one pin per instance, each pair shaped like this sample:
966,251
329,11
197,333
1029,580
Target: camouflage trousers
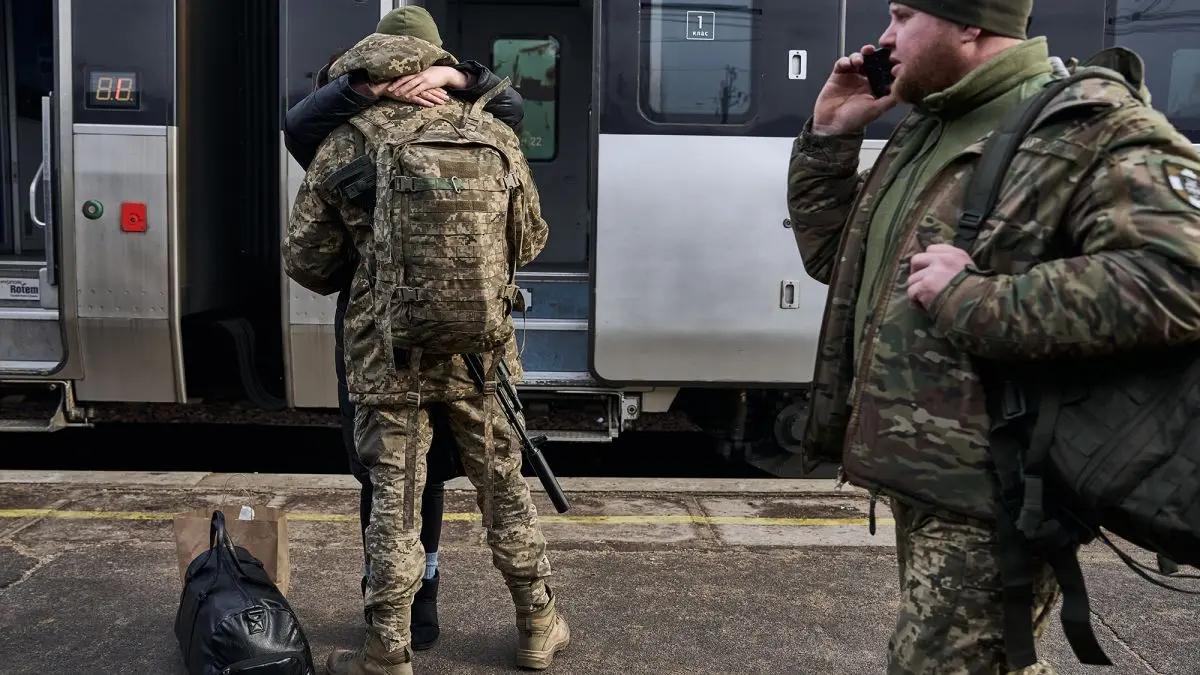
951,617
398,471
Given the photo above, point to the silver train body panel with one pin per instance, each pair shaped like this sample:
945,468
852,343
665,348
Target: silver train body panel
698,278
128,314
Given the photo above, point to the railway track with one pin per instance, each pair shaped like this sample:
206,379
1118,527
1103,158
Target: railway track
318,449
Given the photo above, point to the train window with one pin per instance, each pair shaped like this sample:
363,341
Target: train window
532,65
697,61
1165,35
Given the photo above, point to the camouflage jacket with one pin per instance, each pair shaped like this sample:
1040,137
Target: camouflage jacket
329,238
1093,246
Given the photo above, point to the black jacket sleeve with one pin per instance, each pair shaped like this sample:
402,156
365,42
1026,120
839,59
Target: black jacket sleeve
316,116
507,106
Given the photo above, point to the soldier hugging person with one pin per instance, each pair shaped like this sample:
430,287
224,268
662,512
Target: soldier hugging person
308,123
437,253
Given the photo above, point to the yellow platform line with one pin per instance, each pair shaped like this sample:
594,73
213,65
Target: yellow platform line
305,517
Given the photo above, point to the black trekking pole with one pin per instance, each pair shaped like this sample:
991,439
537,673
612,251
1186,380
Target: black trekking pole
511,404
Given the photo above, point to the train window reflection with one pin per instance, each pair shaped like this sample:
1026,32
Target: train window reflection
697,61
1183,94
532,65
1165,34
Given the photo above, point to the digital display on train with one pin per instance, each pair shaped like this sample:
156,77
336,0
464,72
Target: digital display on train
109,90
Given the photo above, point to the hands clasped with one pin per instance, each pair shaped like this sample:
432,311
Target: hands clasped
426,88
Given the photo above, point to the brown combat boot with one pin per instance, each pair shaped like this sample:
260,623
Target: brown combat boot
543,633
370,659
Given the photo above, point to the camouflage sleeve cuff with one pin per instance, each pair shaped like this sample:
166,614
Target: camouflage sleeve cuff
835,151
964,285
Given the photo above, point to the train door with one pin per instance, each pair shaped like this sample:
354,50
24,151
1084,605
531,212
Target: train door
546,51
312,31
697,278
122,241
33,167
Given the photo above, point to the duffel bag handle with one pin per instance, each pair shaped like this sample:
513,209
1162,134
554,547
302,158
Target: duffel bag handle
218,535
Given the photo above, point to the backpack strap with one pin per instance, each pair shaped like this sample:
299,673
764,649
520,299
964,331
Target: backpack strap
412,406
983,188
1020,457
473,116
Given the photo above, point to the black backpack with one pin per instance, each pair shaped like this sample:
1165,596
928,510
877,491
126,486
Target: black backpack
1077,446
232,618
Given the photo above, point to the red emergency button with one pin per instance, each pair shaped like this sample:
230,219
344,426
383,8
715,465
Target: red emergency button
133,217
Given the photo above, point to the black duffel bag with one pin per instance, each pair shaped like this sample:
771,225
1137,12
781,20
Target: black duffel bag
233,619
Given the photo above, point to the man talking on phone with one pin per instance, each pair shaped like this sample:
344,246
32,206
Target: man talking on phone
1096,252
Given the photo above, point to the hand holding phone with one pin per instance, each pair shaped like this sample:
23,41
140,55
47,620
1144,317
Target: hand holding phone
856,93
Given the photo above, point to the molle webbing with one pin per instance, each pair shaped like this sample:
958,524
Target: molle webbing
409,294
420,184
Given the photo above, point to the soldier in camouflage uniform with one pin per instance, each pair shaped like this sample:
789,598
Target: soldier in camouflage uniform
379,381
309,122
1094,246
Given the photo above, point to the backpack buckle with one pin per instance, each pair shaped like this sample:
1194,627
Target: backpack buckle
254,617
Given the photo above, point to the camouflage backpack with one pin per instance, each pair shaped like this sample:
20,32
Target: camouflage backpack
444,271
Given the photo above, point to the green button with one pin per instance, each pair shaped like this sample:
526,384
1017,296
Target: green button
92,209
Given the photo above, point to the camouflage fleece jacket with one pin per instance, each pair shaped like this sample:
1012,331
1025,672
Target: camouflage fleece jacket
321,224
1093,246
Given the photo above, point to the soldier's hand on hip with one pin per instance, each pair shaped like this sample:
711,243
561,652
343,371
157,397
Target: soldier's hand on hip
845,104
931,271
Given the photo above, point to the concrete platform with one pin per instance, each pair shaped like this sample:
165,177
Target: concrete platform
654,576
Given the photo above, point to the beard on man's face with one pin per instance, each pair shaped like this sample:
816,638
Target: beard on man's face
934,68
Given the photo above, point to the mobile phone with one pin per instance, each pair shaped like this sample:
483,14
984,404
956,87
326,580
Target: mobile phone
879,71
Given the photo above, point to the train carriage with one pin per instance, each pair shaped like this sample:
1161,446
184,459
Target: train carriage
147,187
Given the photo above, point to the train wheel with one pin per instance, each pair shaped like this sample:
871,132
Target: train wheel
759,428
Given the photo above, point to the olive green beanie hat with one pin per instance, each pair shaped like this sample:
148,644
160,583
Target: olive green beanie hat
410,20
1002,17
